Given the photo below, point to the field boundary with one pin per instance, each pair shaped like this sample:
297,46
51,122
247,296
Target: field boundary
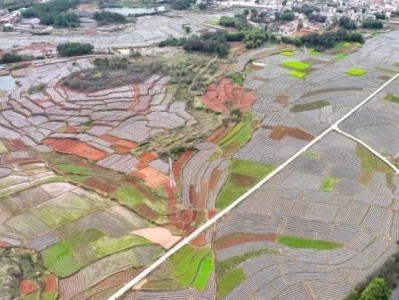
206,225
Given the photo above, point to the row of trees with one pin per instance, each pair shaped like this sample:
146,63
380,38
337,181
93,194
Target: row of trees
54,13
372,24
9,58
106,17
210,42
74,49
326,40
347,23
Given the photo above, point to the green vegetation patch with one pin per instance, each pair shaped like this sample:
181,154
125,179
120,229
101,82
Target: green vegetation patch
340,55
128,196
225,266
242,175
295,64
228,282
49,296
204,272
239,135
304,243
74,169
329,184
341,45
313,155
392,98
60,260
213,22
314,53
287,53
237,78
297,108
192,266
84,237
370,164
355,72
297,74
108,245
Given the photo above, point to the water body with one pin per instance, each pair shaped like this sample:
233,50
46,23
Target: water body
7,83
136,11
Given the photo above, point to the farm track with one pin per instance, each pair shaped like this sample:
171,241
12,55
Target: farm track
194,234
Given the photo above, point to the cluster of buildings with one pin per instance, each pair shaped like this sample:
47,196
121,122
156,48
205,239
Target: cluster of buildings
333,10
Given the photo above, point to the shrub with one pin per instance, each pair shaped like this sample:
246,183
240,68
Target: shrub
377,289
74,49
372,24
106,17
9,58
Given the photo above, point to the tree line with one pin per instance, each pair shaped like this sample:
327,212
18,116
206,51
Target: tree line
54,12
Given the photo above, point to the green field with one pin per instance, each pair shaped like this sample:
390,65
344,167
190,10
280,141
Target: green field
204,273
340,56
49,296
370,164
304,243
225,266
392,98
313,155
297,74
74,169
236,78
314,53
287,53
228,282
329,184
355,72
192,266
295,64
213,22
128,196
239,135
108,245
297,108
249,172
59,259
341,45
85,237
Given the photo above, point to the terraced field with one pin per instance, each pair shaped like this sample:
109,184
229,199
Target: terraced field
295,239
86,181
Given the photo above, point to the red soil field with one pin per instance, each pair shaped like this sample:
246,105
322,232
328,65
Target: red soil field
180,162
199,241
240,238
121,146
148,156
27,286
4,244
99,185
280,132
78,148
50,283
225,96
71,129
152,177
218,134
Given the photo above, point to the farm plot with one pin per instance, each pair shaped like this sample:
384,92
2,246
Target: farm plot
76,232
316,101
290,228
377,123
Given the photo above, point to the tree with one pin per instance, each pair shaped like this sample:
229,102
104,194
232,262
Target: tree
372,24
347,23
181,4
9,58
377,289
74,49
106,17
380,16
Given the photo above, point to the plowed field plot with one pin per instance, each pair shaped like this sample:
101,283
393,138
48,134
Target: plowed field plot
76,232
377,123
289,239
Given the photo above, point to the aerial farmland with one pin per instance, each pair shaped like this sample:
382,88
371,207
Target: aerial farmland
173,158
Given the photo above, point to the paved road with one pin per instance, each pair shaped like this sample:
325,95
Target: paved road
206,225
